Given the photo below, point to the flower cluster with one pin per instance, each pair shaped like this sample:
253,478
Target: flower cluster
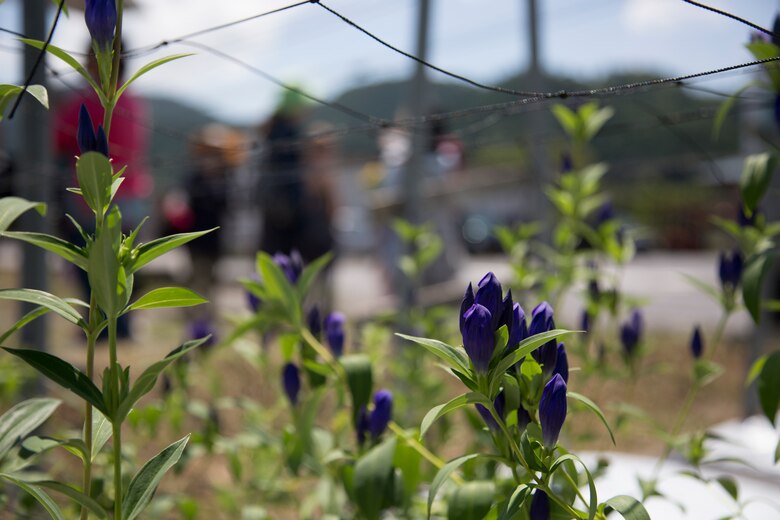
375,422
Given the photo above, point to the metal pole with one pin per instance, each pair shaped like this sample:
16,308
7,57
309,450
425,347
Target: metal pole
32,178
414,173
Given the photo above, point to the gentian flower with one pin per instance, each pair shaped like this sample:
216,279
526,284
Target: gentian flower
291,382
730,269
489,295
519,330
334,332
542,321
552,410
697,343
468,301
100,16
540,506
313,321
381,414
86,138
292,265
490,421
478,338
631,332
562,363
566,163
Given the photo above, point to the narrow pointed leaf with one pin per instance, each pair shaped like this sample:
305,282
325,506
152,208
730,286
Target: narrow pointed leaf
149,66
373,475
94,174
67,58
165,297
527,346
472,501
62,248
101,432
443,474
310,273
359,380
146,381
628,507
22,419
62,373
768,386
75,495
12,208
454,357
145,482
593,407
443,409
752,283
38,494
145,253
44,299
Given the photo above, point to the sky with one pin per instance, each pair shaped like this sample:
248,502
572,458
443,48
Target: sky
482,39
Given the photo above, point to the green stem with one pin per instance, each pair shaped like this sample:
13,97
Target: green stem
117,436
91,340
115,374
422,450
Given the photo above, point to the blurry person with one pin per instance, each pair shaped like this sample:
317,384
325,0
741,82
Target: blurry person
128,146
316,236
206,192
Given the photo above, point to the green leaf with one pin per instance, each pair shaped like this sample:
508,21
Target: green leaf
443,474
101,432
62,373
567,119
146,68
443,409
71,61
9,92
725,108
768,386
515,502
711,290
38,494
145,482
44,299
764,51
277,285
471,501
22,419
310,273
752,280
755,179
95,176
372,478
75,495
628,507
35,445
455,358
146,381
525,347
593,407
104,268
730,486
64,249
593,498
706,371
167,297
12,208
359,380
777,452
145,253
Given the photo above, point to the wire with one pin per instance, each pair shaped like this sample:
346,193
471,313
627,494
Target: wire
38,61
734,17
375,121
142,50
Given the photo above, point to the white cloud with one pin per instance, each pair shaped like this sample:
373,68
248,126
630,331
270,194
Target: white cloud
644,16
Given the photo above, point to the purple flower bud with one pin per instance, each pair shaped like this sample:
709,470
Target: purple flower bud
506,313
585,321
101,141
85,135
382,413
593,290
604,214
631,332
730,269
542,321
552,410
489,295
200,328
523,418
742,219
562,363
566,163
697,343
291,266
468,301
313,321
490,421
478,337
100,16
540,506
334,332
519,330
291,381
